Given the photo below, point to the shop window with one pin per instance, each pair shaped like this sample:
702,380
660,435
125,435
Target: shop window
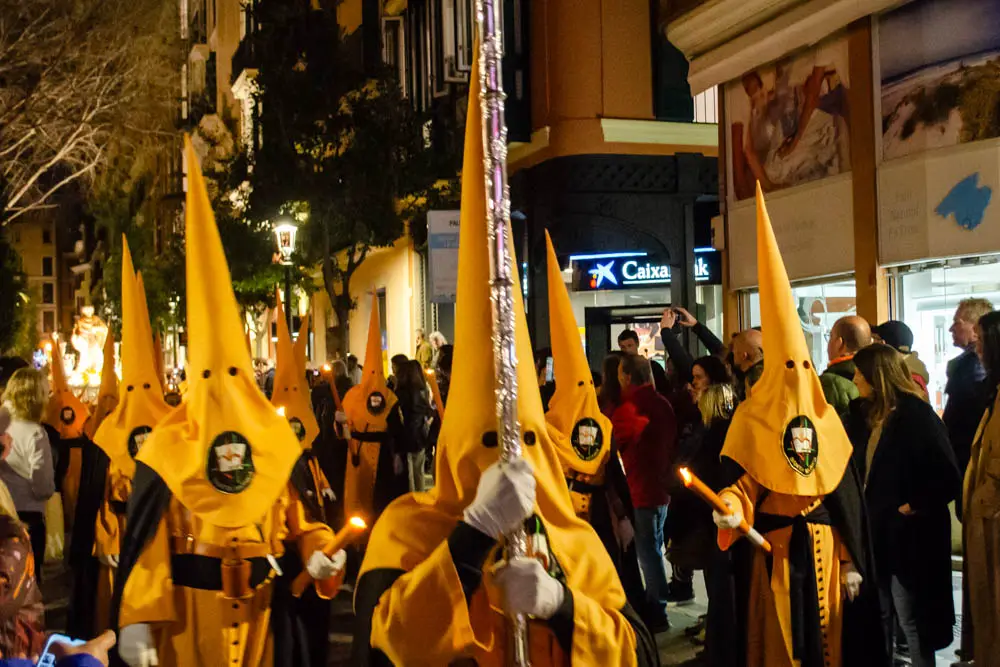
48,321
48,293
819,306
929,296
47,270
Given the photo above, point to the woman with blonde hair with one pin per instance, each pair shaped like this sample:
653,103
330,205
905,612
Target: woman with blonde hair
910,475
28,470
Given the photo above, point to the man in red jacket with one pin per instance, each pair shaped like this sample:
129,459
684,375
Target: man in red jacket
646,432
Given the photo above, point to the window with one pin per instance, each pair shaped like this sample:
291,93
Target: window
47,267
48,321
48,293
46,236
394,48
706,106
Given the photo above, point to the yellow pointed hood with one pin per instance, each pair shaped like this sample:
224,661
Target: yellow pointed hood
368,404
580,431
66,412
416,524
225,453
290,389
107,395
786,436
157,346
140,399
301,343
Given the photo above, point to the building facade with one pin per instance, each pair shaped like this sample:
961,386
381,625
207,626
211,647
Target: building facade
872,127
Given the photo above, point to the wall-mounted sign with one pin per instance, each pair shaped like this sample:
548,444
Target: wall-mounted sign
611,271
442,264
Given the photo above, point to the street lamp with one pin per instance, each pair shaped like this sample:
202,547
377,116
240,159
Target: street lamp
284,232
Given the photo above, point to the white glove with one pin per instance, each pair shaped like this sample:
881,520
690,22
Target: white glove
728,521
321,566
504,499
329,494
135,646
851,580
528,588
111,560
341,417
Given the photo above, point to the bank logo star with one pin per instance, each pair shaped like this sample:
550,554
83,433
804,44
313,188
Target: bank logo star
603,272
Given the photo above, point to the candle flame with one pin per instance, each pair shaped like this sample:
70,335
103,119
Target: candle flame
429,373
281,410
358,523
685,476
327,368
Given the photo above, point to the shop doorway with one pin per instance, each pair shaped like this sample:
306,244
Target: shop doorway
604,324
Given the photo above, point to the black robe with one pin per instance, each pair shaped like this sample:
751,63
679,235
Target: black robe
147,505
83,564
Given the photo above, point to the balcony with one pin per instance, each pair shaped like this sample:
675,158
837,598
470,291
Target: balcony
244,59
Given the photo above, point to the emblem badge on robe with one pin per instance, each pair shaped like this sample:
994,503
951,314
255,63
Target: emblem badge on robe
376,403
587,438
67,415
136,438
298,428
801,445
230,463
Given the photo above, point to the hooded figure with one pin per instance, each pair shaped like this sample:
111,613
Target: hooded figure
369,452
109,465
68,415
211,507
308,617
431,589
813,601
107,396
582,437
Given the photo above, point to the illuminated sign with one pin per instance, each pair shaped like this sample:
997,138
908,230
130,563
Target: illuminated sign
612,271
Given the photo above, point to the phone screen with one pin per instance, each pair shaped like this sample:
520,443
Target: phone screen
549,373
49,660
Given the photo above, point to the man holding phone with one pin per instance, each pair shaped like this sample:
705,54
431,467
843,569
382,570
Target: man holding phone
60,652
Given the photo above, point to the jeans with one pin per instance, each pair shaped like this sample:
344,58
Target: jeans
649,548
897,603
415,469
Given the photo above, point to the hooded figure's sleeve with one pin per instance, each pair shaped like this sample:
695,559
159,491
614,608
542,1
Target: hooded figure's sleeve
743,494
594,635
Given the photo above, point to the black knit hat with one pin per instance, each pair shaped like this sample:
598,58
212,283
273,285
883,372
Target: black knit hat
895,334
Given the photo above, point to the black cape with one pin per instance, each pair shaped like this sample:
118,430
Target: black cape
81,621
146,508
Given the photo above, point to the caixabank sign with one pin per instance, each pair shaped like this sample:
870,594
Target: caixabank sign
631,270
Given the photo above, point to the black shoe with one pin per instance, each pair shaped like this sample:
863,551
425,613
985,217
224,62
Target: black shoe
697,628
680,593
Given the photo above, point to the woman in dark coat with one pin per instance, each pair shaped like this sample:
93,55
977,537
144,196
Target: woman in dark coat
910,476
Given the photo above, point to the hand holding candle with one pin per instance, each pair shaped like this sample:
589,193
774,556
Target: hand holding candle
694,484
347,535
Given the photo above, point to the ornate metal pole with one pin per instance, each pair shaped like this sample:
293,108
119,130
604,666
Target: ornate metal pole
489,20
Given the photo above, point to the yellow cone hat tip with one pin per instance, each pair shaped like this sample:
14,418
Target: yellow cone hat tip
785,435
225,453
290,389
374,373
582,432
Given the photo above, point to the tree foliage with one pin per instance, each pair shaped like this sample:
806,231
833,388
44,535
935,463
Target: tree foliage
341,143
76,78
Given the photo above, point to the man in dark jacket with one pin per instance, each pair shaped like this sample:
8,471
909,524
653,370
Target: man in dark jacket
848,335
967,397
646,431
628,343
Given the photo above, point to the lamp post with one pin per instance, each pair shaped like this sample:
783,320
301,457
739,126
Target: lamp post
284,232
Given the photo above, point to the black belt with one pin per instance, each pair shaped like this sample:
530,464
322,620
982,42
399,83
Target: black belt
118,507
804,582
370,436
576,486
205,572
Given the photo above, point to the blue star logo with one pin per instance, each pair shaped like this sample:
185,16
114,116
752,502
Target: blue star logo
603,272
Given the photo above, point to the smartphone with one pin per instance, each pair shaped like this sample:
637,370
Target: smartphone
549,373
48,659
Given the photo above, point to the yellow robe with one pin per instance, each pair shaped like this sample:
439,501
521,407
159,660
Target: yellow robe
413,633
769,633
197,627
981,524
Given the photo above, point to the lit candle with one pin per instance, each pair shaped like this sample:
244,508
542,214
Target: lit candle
352,530
692,482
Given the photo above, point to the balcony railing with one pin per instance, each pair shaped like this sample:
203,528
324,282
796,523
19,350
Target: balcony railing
706,106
